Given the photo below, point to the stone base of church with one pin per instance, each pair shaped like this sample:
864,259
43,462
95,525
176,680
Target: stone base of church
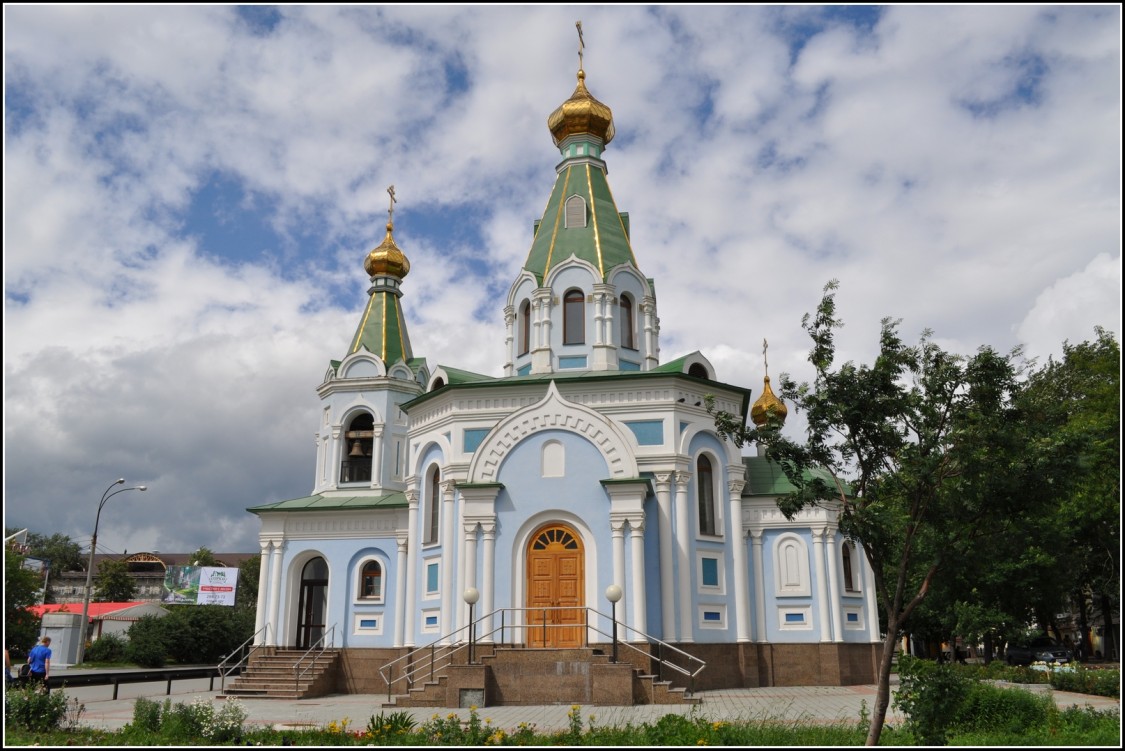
742,665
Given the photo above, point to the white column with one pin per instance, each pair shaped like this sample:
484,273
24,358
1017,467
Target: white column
488,579
334,457
738,560
684,535
834,587
759,585
321,460
599,317
870,597
275,594
448,561
400,589
667,556
410,602
637,549
263,593
821,584
617,531
509,340
470,567
377,458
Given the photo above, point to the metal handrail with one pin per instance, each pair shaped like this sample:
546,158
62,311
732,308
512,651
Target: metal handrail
318,643
445,651
244,659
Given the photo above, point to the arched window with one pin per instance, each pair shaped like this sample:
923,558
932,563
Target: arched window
371,581
359,440
574,317
848,556
705,488
525,328
438,383
575,212
433,506
697,371
626,321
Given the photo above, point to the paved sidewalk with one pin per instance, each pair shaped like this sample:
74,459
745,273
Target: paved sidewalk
807,704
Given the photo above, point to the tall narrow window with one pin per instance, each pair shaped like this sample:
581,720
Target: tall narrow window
575,212
525,327
705,486
849,580
627,323
359,440
371,581
574,317
433,514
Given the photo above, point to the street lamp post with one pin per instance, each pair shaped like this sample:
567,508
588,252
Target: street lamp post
90,566
471,597
613,594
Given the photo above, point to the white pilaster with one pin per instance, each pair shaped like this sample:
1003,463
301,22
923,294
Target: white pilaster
509,340
759,586
684,535
667,557
821,584
263,593
410,601
400,588
617,532
377,458
470,566
275,594
334,457
637,549
448,561
834,587
737,536
488,579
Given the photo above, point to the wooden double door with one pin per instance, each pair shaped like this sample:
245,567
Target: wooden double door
556,615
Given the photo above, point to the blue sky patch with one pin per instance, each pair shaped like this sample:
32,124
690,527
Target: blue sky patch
261,20
1028,71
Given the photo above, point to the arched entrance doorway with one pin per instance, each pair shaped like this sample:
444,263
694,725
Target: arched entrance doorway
555,579
312,611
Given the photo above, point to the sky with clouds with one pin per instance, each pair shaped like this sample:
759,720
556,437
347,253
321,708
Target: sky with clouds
189,193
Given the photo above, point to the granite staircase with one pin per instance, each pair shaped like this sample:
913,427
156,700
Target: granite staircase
273,673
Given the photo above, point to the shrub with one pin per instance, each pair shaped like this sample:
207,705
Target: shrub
988,707
929,694
205,634
146,715
1085,681
109,648
147,643
33,708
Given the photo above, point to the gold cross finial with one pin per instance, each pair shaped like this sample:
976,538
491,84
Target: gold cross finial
391,210
765,347
581,44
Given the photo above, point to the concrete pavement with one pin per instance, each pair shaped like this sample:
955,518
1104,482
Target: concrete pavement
809,704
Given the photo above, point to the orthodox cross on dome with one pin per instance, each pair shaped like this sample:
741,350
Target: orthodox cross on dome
581,43
766,346
391,210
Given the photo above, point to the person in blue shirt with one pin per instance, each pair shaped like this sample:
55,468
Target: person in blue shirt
39,658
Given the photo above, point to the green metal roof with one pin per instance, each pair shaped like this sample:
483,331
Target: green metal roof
765,477
382,330
320,502
458,376
603,242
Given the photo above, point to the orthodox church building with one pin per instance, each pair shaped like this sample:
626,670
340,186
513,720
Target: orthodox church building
590,462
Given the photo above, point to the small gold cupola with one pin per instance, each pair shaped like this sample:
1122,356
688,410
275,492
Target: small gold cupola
768,401
387,258
582,114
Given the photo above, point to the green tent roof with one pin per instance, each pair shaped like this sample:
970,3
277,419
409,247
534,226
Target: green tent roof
334,503
382,330
765,477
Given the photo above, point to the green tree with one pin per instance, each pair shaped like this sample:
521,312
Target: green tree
929,441
204,557
113,583
63,553
248,572
21,590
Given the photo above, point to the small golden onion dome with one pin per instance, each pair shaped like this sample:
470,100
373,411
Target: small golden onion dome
387,258
759,413
581,114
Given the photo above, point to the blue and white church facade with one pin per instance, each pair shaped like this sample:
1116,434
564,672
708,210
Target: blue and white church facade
590,462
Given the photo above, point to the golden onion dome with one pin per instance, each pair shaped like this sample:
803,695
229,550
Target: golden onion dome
581,114
759,413
387,258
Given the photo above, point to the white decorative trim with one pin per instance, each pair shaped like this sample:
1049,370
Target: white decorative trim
431,628
720,562
785,624
357,580
791,566
553,412
360,630
720,624
853,625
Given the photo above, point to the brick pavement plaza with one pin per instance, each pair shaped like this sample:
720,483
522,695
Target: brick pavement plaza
811,704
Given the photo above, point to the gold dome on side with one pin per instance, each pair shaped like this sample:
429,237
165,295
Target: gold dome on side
759,413
581,114
387,258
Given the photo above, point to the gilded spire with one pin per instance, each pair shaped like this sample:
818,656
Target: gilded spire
582,113
387,258
767,402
